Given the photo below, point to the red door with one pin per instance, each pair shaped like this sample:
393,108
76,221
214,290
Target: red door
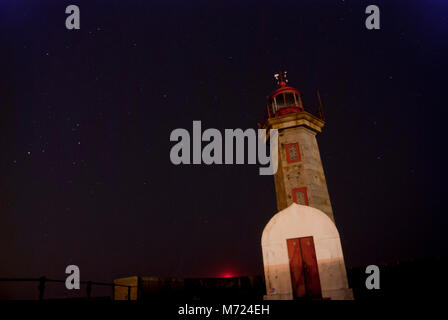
303,266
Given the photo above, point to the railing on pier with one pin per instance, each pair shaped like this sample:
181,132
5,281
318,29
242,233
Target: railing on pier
43,281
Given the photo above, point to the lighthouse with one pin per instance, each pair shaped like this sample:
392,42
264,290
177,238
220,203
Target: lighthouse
302,250
300,176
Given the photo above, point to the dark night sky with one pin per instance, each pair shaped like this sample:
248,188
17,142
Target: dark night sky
86,119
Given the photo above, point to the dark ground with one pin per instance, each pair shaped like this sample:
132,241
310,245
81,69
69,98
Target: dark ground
408,280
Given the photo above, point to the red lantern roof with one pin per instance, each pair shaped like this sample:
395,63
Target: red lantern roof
285,99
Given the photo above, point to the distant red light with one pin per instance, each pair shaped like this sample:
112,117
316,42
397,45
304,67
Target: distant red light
227,275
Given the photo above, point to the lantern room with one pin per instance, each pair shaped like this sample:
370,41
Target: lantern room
285,99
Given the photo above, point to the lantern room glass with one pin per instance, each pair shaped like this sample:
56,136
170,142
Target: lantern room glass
285,99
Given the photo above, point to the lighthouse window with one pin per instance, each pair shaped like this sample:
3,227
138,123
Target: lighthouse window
298,102
300,196
274,105
290,101
292,152
280,100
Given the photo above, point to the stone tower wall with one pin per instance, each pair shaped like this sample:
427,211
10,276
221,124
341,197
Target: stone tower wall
305,177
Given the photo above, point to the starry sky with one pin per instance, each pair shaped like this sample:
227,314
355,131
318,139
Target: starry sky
87,115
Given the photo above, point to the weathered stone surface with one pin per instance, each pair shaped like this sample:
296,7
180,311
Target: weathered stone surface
300,128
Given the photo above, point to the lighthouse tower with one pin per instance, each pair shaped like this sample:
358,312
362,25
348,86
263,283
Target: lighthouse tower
300,176
302,250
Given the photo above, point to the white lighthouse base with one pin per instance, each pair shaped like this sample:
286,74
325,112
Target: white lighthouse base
299,221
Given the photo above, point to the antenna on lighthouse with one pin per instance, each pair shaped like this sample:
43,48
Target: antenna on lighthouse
281,78
320,111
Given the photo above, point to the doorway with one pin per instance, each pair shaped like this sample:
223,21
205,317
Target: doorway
303,267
